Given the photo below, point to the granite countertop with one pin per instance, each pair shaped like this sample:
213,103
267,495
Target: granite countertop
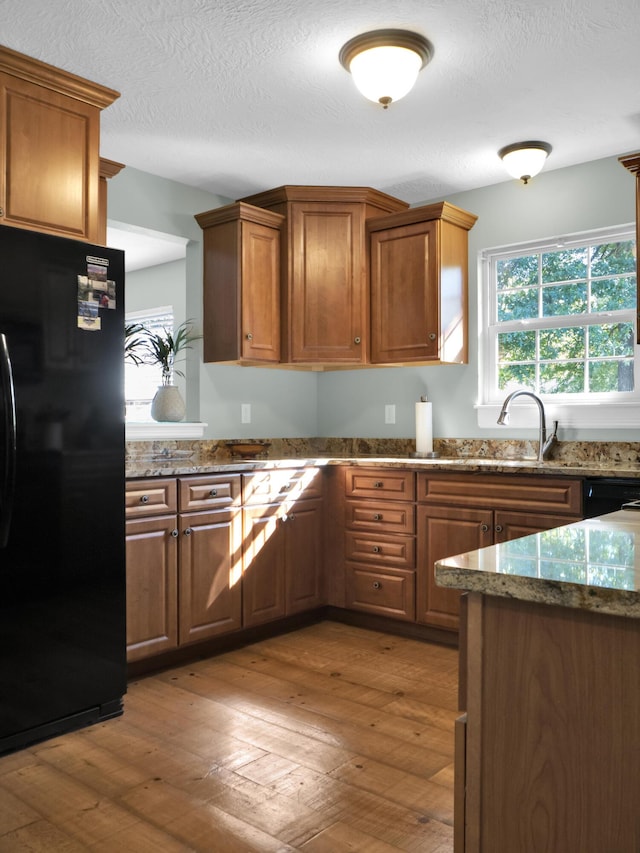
590,565
176,465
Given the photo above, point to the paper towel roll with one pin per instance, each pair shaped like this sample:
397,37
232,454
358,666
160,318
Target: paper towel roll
424,428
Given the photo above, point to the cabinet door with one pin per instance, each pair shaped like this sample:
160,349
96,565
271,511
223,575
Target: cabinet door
210,574
51,142
326,298
263,579
404,294
304,556
152,586
444,532
260,322
512,525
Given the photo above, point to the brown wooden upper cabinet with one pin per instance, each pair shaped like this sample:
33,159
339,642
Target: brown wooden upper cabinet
49,147
363,279
632,163
419,274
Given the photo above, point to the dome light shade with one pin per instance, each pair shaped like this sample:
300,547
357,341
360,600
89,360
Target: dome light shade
385,63
524,160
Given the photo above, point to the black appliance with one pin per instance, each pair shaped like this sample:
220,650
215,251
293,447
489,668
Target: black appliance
609,494
62,563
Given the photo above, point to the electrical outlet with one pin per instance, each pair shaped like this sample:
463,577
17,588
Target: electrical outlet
245,413
390,413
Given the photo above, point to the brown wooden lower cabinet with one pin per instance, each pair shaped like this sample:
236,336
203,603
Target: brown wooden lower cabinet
548,757
283,562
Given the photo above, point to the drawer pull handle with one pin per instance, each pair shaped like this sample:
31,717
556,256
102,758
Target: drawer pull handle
188,531
174,533
484,527
286,487
144,499
213,493
377,516
378,484
377,549
377,585
498,528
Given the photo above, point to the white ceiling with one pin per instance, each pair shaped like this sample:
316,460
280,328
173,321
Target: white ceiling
238,96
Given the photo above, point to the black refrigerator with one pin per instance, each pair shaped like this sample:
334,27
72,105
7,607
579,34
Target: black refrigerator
62,558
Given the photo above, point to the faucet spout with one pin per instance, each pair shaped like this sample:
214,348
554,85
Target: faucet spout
545,442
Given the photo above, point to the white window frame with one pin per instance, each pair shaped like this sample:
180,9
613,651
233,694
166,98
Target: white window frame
614,410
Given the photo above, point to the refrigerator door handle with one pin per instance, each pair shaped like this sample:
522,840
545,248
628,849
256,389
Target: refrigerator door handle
8,412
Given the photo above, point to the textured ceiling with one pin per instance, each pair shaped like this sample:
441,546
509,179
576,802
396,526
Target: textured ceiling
237,96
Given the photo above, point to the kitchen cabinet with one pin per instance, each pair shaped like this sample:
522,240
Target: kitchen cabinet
324,293
632,163
241,318
152,567
183,561
49,147
380,542
419,291
462,512
283,544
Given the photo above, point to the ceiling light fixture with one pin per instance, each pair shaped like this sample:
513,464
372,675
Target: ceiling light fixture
385,64
523,160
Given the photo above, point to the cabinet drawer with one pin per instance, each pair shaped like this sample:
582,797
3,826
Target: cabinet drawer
386,592
273,486
396,551
389,517
211,492
150,497
387,484
533,494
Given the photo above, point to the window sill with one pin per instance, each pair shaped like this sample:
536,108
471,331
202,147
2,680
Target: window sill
152,430
603,415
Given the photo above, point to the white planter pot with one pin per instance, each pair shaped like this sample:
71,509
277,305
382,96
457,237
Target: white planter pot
168,405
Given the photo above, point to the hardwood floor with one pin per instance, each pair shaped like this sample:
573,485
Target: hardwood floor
328,739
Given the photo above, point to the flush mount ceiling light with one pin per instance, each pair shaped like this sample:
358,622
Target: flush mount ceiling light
523,160
385,64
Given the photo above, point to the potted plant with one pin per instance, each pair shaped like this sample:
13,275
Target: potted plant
163,348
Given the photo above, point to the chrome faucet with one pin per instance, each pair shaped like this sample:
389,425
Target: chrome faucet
544,443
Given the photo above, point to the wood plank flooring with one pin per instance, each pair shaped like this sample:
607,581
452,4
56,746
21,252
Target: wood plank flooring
328,739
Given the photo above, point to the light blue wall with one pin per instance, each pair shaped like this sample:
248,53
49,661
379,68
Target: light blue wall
351,402
593,195
283,402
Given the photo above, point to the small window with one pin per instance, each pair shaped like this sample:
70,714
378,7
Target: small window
559,319
141,381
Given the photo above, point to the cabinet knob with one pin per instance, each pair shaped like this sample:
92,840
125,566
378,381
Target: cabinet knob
357,339
377,585
174,533
498,528
213,493
1,211
144,499
377,516
484,527
377,549
188,531
432,336
378,484
249,336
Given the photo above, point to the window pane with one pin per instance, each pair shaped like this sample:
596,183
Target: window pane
564,265
612,549
562,378
612,258
516,346
611,340
562,343
613,294
564,299
517,272
517,376
610,376
518,304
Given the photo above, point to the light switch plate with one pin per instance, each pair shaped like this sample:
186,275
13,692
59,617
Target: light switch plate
390,413
245,413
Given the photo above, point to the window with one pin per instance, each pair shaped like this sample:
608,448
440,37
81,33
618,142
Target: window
141,381
559,320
